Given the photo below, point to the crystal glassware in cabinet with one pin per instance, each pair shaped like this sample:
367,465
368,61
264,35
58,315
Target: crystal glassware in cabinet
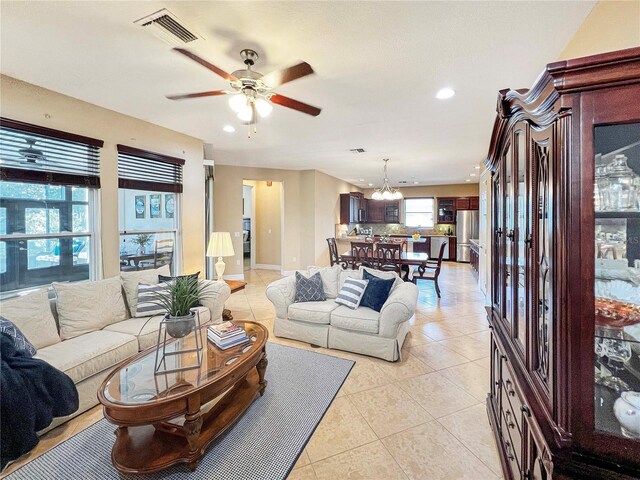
622,184
601,187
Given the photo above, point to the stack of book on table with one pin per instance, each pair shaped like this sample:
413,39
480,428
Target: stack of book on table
226,335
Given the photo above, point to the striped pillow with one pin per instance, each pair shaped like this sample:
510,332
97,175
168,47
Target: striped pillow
148,302
351,292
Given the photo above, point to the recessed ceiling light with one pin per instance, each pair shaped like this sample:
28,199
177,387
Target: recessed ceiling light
472,174
229,128
468,180
361,179
477,167
445,93
371,184
416,183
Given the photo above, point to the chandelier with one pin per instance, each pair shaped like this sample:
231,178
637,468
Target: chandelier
386,192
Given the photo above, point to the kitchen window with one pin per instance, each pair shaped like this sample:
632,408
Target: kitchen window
419,212
47,206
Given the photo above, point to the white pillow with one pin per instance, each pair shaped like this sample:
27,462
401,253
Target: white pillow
329,277
89,306
130,282
344,274
351,292
32,315
148,303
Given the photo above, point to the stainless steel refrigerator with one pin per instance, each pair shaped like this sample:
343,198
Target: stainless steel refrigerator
467,228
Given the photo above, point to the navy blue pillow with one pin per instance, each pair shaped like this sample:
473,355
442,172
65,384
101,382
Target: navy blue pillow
377,291
19,340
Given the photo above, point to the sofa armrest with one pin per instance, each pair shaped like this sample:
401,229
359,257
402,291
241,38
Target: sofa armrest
216,294
399,307
282,293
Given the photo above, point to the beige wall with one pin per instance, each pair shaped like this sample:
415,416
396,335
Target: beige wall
309,211
455,190
611,25
29,103
268,222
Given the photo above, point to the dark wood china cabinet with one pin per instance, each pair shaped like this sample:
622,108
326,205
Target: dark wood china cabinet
565,302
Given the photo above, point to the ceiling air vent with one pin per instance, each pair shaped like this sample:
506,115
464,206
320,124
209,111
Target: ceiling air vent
356,150
166,26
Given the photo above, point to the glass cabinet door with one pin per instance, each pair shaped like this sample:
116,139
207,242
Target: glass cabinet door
509,227
617,279
522,238
498,235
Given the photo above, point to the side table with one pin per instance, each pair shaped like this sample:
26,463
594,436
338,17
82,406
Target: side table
236,286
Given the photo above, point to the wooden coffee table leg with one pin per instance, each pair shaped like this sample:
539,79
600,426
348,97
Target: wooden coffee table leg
193,423
262,368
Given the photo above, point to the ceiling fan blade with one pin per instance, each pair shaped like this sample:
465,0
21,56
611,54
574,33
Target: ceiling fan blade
205,64
289,74
212,93
295,104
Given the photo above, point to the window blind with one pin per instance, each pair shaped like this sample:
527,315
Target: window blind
34,154
143,170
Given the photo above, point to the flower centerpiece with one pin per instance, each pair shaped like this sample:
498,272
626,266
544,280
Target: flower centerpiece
142,241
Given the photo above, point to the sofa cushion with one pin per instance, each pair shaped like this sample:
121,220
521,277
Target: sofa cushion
146,328
377,291
20,342
84,356
330,277
32,315
383,275
362,319
89,306
312,312
351,292
309,289
130,282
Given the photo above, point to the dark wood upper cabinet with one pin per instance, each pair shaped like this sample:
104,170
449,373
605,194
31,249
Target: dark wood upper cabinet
353,208
446,210
474,203
564,398
462,203
375,211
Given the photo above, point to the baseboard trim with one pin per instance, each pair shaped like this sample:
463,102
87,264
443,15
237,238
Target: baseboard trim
236,276
266,266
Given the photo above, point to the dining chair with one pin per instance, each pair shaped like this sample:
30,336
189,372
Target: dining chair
387,257
362,253
333,251
162,255
432,271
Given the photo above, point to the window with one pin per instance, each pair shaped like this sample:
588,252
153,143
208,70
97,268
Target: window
50,179
149,196
418,212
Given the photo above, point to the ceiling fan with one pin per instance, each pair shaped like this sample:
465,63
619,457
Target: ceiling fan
252,92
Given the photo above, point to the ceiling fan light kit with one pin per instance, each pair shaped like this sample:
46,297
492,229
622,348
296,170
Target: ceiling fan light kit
386,192
252,92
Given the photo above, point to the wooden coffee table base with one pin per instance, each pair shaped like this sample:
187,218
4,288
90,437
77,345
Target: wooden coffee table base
149,448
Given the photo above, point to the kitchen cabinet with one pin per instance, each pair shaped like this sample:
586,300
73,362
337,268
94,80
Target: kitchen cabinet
452,249
392,211
352,208
446,210
422,247
468,203
474,203
564,399
375,211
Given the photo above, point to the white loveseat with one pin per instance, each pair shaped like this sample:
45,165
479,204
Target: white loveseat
330,325
85,329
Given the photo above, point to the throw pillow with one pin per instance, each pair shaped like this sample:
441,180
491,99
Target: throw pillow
329,279
350,295
89,306
165,279
148,302
32,315
383,275
309,289
130,282
377,291
19,340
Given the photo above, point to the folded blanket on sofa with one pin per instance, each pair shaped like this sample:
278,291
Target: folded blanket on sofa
32,392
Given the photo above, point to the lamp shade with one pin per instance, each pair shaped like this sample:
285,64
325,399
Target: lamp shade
220,245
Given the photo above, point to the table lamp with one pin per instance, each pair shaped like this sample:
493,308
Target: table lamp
220,245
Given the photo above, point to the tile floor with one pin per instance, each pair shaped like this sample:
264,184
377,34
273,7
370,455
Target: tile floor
420,418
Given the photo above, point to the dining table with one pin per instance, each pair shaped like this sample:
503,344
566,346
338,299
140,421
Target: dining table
407,259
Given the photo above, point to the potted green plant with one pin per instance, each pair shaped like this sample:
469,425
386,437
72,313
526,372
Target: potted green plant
142,241
179,296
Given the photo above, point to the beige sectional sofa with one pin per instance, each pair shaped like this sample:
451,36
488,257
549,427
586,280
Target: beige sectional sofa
330,325
86,328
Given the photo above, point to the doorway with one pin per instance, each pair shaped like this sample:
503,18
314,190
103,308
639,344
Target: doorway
262,223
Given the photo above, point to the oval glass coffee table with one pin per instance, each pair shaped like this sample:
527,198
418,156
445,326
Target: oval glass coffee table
172,418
